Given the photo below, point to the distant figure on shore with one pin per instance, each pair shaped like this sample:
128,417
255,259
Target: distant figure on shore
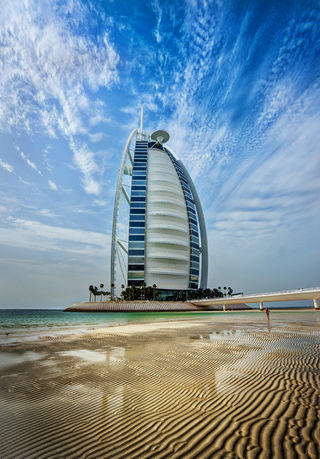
267,312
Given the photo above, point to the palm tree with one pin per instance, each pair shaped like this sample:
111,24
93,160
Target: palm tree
225,288
112,291
126,293
144,290
153,291
91,291
148,295
133,292
95,292
122,290
219,292
102,292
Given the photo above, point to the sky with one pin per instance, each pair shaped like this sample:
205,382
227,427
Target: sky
235,83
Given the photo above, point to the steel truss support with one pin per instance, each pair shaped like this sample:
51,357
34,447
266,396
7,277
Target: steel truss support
120,191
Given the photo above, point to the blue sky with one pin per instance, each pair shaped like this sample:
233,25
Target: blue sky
235,83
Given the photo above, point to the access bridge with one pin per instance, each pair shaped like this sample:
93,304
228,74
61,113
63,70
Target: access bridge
286,295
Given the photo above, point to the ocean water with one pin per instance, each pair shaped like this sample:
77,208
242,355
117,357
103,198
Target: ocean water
16,324
29,324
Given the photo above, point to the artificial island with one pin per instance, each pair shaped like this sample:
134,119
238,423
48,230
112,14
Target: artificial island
159,248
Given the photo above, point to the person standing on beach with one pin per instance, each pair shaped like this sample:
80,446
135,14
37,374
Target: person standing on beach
267,312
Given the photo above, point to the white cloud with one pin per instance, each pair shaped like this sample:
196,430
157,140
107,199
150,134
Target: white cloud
278,190
98,118
84,161
96,137
30,163
25,182
42,52
52,185
193,124
47,213
129,110
158,13
84,211
100,202
45,157
6,166
49,64
38,236
278,98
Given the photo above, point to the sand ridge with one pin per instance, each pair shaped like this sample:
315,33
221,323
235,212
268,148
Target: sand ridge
209,388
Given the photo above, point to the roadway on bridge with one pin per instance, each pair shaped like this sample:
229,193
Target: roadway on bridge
287,295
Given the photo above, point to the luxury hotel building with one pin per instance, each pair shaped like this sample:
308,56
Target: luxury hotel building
166,243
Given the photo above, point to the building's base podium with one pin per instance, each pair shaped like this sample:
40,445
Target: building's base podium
144,306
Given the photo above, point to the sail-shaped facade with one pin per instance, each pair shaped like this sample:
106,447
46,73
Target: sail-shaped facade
167,242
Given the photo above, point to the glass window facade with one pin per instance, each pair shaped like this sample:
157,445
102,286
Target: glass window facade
137,215
137,245
138,224
136,172
137,193
135,237
140,178
135,274
138,211
137,218
136,259
136,252
135,231
136,267
136,283
138,187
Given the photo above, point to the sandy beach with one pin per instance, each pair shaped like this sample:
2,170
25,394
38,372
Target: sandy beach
231,386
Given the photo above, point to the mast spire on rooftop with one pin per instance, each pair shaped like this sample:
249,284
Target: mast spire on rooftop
141,121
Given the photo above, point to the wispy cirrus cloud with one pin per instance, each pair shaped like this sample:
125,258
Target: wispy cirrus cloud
84,160
96,137
30,163
100,202
25,182
8,167
52,185
42,52
225,91
47,213
158,12
278,190
51,66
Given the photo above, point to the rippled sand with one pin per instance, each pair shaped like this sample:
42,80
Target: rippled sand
232,386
